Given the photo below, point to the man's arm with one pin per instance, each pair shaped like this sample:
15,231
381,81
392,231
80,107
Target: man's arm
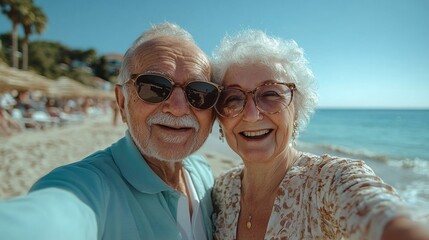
49,213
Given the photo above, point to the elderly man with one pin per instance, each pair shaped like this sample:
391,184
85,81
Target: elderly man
146,185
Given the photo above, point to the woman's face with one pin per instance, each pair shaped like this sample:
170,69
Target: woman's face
254,135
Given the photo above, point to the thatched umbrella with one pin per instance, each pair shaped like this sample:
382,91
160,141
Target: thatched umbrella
11,78
14,79
69,88
101,94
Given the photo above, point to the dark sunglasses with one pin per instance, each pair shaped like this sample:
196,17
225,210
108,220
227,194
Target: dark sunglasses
152,88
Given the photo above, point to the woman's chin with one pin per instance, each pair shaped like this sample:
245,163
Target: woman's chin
256,157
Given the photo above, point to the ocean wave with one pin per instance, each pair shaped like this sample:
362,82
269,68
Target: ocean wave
417,164
344,151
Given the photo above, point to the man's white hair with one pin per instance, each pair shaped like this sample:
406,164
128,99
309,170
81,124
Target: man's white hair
159,30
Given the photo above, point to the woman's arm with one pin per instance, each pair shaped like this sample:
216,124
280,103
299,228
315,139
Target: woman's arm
403,228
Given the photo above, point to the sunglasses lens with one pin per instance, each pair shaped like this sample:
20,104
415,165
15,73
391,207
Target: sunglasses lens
231,102
201,95
273,98
152,88
155,89
270,98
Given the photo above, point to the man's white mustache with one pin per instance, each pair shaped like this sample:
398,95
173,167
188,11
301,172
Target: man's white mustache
187,121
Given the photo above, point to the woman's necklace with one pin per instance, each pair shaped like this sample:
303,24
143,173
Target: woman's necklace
249,209
249,217
249,222
258,206
269,198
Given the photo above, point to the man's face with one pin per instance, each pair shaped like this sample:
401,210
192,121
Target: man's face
170,130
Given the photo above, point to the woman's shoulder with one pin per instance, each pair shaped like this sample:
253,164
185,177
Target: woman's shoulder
229,175
228,181
326,163
310,158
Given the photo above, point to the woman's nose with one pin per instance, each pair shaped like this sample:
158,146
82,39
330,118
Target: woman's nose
250,112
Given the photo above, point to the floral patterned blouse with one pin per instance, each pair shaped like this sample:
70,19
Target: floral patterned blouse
320,197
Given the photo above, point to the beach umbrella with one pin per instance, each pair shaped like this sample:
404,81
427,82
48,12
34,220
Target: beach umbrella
11,78
15,79
102,94
69,88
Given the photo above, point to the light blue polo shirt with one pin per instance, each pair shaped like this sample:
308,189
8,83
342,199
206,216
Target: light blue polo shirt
129,200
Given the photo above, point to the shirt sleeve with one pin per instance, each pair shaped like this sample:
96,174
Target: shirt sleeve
49,213
360,202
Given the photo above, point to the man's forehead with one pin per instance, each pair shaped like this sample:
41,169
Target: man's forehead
167,54
169,44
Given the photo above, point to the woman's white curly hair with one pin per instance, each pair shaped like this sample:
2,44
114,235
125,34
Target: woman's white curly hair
285,58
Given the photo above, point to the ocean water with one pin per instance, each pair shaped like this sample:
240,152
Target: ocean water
399,137
395,143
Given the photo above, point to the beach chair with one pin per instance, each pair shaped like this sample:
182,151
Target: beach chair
25,121
44,119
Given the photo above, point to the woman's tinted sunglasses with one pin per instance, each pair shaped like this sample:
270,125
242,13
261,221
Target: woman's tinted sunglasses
271,98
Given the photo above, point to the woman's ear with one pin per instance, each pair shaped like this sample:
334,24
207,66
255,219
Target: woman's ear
221,133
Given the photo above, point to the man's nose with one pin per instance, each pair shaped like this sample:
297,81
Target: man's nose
177,104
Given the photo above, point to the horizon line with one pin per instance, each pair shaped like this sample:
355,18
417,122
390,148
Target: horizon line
368,108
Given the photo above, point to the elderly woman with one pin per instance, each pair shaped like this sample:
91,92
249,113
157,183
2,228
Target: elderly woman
281,193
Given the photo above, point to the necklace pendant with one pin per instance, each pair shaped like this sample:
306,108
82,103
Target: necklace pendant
249,222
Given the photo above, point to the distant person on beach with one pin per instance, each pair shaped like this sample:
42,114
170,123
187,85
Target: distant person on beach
147,185
25,103
8,125
279,192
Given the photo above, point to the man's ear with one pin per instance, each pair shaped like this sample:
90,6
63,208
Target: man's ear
120,100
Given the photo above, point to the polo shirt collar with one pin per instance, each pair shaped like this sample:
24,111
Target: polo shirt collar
135,168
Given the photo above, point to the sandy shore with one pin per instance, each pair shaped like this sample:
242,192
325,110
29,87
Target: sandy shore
27,156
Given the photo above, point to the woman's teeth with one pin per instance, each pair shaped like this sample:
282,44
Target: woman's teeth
256,133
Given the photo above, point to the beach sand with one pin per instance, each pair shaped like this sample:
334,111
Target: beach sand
26,156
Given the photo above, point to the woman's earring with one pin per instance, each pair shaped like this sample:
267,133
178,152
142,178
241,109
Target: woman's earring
221,136
294,133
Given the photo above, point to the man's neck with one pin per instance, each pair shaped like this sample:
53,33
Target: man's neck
169,172
172,174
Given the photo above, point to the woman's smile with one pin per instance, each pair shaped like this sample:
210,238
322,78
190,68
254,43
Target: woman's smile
257,135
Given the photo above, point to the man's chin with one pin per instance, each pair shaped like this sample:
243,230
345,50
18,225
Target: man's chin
170,154
167,151
168,158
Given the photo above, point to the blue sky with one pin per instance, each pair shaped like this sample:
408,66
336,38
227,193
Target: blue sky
366,53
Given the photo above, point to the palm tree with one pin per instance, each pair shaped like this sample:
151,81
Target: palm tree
14,10
34,20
